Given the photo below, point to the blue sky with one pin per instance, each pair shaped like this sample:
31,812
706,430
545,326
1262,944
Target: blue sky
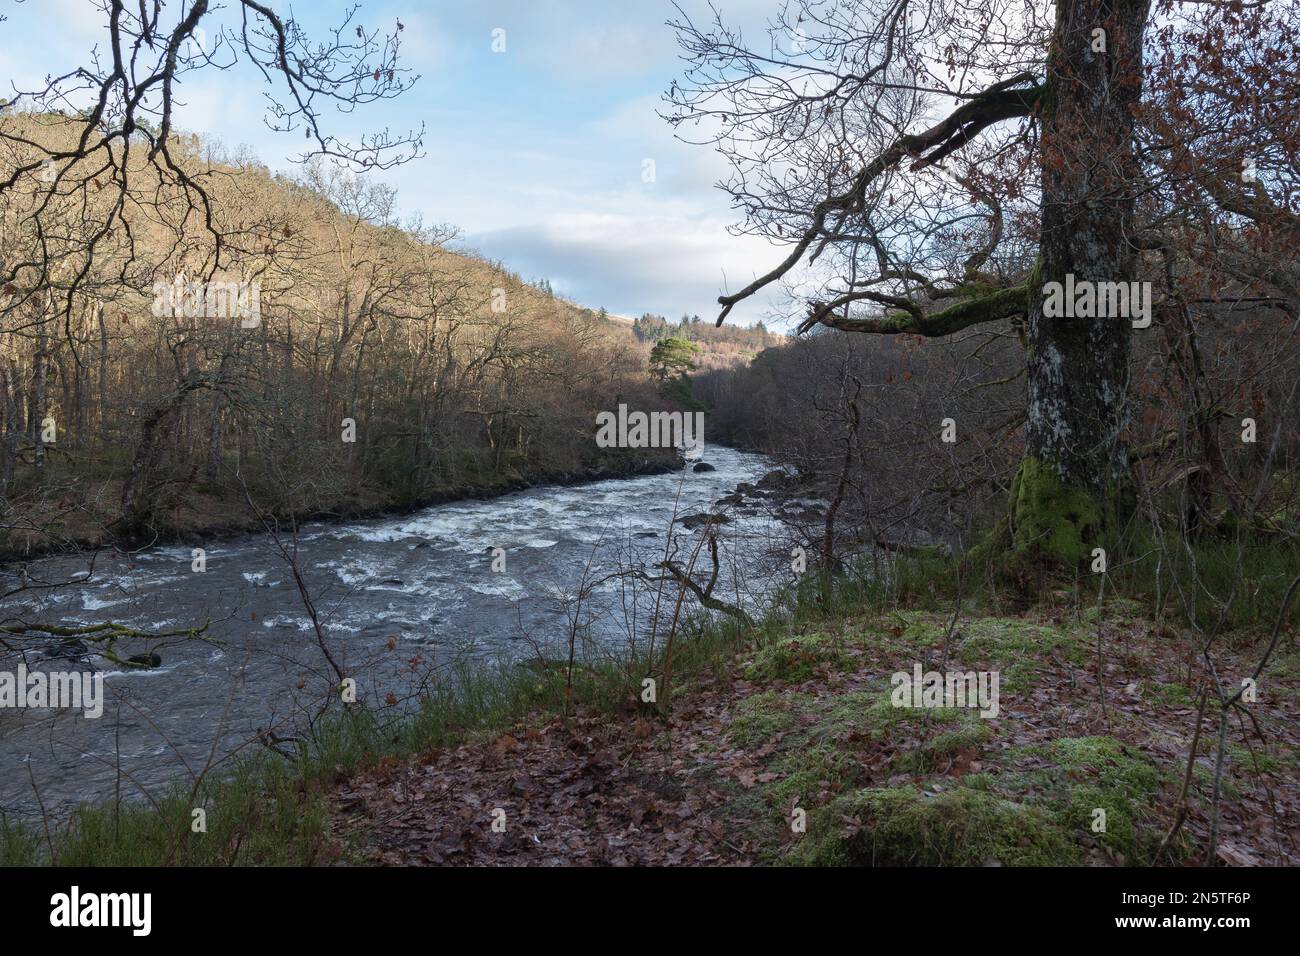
536,154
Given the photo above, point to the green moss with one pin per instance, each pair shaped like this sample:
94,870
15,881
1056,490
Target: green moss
1040,817
1285,666
794,658
807,772
874,713
759,718
975,302
1203,775
1265,761
1014,647
1004,639
1051,519
924,632
1114,761
975,287
905,826
1171,695
827,737
973,732
1084,774
1117,609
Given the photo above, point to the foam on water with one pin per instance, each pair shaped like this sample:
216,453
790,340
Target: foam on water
425,577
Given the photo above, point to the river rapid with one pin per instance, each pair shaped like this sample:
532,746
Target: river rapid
400,600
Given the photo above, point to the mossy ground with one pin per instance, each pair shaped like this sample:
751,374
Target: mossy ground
830,772
794,658
782,745
880,784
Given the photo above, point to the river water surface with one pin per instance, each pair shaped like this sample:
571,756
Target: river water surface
398,597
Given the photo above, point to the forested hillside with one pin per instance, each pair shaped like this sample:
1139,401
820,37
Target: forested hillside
129,413
719,346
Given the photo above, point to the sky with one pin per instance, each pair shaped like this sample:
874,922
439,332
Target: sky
537,153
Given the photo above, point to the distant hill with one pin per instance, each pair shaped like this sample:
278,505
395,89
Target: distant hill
721,347
383,370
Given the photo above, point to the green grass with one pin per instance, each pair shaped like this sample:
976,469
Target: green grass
1248,578
1242,581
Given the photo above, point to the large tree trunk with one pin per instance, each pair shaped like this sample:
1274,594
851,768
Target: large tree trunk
1074,478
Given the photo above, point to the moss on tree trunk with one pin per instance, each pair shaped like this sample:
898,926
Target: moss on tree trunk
1051,519
1054,524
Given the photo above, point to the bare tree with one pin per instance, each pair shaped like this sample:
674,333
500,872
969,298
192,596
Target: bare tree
906,215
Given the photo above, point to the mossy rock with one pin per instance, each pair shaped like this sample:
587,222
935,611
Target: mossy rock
1039,817
906,826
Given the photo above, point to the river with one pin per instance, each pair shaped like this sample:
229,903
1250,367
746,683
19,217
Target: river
401,599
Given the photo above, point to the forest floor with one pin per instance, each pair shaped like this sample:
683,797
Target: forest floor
792,752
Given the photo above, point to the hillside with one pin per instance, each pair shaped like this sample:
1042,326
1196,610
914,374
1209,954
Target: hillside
719,347
370,367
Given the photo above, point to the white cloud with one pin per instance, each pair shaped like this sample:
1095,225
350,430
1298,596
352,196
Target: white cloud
629,263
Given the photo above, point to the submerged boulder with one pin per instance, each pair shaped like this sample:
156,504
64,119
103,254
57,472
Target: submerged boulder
703,518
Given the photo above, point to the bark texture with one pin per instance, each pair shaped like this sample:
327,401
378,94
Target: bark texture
1075,473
